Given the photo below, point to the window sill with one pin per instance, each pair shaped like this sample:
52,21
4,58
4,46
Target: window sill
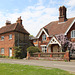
72,37
1,40
2,53
43,40
10,39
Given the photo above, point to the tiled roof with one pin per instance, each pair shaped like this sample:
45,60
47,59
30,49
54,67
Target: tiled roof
56,27
13,27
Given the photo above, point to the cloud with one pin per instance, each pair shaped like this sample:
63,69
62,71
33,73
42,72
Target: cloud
71,3
34,17
70,8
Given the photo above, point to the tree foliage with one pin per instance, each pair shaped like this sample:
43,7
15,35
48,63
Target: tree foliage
33,49
18,52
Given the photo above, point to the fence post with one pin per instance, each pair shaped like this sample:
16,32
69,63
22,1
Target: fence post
39,55
66,56
50,55
28,55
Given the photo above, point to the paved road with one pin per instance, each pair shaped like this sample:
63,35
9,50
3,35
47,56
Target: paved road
68,66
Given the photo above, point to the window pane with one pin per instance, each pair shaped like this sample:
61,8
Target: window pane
74,33
10,36
2,50
43,37
44,49
2,37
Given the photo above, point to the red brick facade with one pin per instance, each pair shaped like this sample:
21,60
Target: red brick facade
7,43
69,33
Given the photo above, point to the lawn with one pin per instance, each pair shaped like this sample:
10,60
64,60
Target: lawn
16,69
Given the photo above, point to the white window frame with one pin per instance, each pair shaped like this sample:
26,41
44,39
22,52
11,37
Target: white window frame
44,37
2,50
10,36
73,34
2,38
44,49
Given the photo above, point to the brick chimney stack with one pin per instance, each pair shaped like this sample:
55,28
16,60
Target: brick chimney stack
19,21
8,22
62,14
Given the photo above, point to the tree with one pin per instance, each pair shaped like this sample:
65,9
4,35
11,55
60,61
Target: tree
33,49
18,51
65,43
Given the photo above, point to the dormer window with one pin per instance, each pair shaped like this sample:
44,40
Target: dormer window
43,37
73,34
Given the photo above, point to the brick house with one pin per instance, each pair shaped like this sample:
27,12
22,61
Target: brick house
13,35
48,37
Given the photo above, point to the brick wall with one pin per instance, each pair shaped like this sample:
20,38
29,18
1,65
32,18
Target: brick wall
7,43
40,42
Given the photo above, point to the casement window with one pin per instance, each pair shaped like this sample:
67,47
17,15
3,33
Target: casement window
2,50
2,37
43,37
73,34
10,36
44,49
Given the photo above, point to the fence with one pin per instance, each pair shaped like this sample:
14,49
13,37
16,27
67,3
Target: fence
55,54
50,56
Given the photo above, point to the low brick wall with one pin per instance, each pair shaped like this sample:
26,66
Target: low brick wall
59,56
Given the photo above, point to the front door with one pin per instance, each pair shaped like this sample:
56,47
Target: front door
10,52
54,48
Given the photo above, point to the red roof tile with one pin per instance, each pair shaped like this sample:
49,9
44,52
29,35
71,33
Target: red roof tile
13,27
55,27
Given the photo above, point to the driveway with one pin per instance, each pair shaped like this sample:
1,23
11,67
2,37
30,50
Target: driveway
68,66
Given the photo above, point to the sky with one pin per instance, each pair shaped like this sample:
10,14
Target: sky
35,13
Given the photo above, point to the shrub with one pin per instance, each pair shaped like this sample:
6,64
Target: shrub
18,52
3,56
7,56
33,49
12,57
0,56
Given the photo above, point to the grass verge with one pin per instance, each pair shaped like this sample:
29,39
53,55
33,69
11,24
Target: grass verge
17,69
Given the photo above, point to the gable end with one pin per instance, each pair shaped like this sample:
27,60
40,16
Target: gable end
43,30
69,27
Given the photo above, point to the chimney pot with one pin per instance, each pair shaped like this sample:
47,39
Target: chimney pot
19,21
62,14
8,22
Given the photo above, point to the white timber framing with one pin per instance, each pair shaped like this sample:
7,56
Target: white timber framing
53,41
43,30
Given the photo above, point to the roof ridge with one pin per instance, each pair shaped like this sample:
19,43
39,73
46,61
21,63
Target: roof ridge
57,21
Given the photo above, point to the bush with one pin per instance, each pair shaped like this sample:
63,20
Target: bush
18,52
33,49
7,56
3,56
12,57
0,56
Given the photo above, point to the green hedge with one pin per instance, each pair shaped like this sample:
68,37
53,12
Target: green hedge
33,49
